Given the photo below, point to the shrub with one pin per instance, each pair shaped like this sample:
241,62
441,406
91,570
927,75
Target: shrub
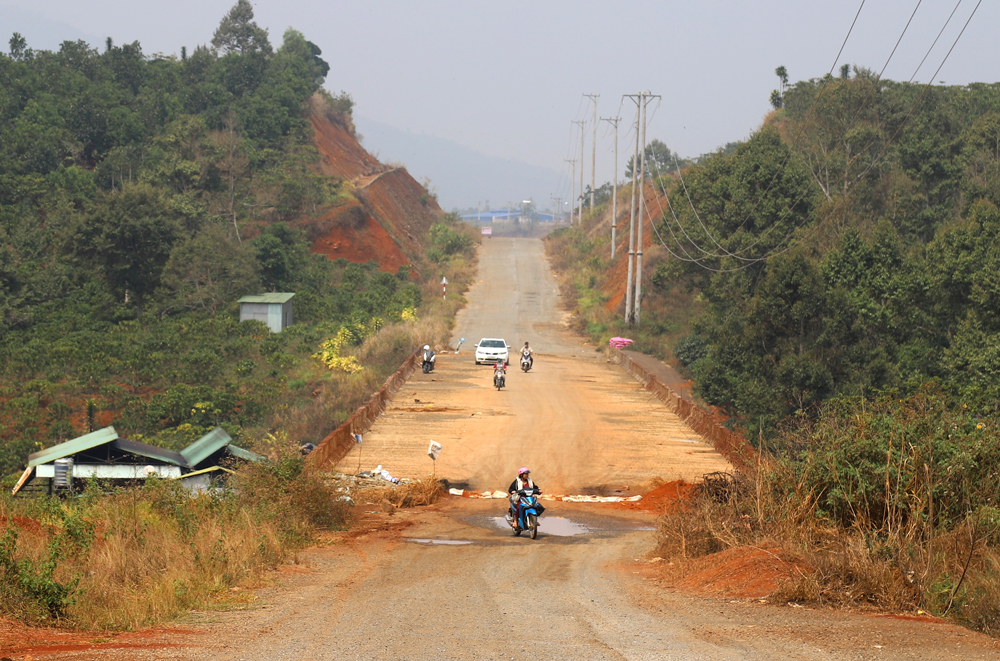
691,349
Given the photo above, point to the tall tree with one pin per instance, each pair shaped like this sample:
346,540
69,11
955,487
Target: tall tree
239,33
129,239
209,270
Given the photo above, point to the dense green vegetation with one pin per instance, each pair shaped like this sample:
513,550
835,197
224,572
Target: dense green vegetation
140,197
848,246
832,285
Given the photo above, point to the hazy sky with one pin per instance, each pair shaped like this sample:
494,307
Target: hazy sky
506,78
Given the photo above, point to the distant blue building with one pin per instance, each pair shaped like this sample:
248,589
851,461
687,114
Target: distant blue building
506,215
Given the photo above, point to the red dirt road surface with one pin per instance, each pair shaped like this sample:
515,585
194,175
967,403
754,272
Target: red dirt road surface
450,582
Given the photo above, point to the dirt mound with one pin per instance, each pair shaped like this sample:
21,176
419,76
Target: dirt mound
743,572
663,498
23,524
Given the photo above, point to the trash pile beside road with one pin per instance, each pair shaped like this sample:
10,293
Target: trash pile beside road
568,499
379,487
365,480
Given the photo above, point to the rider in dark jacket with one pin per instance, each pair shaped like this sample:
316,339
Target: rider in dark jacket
523,481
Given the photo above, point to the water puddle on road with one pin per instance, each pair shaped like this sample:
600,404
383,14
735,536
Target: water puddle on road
447,542
551,525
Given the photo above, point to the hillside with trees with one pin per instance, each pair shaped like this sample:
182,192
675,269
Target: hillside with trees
141,196
831,287
846,247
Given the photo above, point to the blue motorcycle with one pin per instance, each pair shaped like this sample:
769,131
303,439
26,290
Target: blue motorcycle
530,510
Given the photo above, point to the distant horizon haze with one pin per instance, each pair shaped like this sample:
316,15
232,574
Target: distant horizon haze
505,80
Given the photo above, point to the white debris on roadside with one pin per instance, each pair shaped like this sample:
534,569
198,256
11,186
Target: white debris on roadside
384,474
567,499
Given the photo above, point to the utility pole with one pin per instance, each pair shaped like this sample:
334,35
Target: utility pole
642,212
631,220
593,153
579,213
572,184
646,98
614,188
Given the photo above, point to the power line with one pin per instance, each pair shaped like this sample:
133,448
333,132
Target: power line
935,42
736,254
776,252
849,31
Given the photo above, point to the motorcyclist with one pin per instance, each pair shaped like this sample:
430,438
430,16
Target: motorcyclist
522,481
526,351
428,359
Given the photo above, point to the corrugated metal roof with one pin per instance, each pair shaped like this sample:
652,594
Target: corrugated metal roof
240,453
275,297
205,446
151,452
77,445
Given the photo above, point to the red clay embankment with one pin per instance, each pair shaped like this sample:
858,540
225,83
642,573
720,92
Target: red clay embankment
387,215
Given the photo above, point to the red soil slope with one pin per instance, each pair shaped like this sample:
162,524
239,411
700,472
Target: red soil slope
617,282
342,155
389,216
352,233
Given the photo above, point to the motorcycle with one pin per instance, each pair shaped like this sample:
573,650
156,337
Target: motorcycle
526,361
499,376
428,361
530,510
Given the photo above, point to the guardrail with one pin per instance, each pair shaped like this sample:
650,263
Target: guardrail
339,443
728,443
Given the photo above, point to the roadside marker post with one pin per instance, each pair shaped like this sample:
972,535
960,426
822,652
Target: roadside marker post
444,287
433,450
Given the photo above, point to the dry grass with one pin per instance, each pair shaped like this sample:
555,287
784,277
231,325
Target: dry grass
335,395
409,494
950,573
135,558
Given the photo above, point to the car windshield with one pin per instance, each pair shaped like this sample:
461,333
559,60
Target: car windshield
493,344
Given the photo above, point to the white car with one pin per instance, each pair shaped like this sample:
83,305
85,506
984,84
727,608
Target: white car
491,349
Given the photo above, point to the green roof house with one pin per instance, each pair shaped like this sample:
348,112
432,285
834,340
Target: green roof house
275,310
103,454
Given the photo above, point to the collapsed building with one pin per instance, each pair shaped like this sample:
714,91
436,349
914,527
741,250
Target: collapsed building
104,455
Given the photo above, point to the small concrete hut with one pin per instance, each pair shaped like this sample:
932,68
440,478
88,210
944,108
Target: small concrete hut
274,309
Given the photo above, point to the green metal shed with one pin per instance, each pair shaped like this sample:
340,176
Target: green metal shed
274,309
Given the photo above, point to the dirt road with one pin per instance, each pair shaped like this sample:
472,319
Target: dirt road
580,423
448,582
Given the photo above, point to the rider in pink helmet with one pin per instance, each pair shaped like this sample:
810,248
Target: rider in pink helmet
523,481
